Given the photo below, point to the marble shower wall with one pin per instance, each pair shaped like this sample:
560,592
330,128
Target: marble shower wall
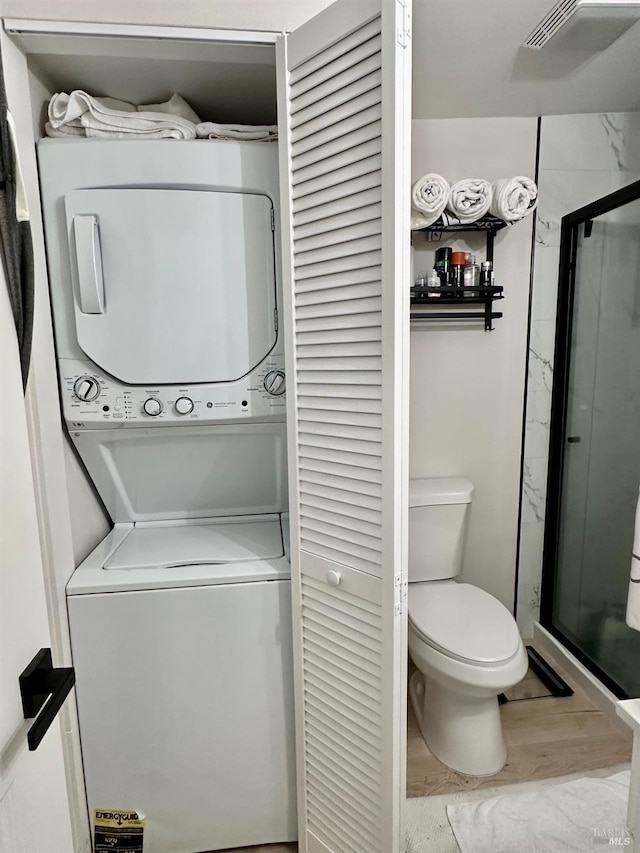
582,158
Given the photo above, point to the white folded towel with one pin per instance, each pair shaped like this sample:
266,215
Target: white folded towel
470,200
633,600
140,128
255,132
109,118
65,112
430,195
176,105
514,198
65,130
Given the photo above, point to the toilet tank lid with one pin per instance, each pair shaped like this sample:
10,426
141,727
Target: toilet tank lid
435,491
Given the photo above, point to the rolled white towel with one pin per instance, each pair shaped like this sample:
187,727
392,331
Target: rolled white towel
470,200
430,195
108,118
419,220
248,132
514,198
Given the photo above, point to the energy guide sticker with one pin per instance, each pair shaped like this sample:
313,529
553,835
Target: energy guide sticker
118,830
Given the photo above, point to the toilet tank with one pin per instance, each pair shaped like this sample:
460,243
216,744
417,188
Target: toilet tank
438,518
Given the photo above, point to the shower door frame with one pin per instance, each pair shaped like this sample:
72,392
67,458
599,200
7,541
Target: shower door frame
559,400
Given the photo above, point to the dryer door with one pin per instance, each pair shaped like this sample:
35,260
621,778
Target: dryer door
173,286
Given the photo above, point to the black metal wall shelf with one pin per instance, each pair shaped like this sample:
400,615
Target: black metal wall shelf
489,225
426,303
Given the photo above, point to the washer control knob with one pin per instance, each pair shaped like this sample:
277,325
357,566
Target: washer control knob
184,405
86,388
152,406
275,383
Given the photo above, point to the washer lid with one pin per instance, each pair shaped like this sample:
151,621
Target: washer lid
463,622
157,547
436,491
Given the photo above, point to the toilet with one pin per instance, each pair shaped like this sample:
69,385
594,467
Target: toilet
464,642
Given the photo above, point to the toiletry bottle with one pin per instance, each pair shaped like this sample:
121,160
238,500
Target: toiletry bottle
457,271
443,264
432,282
471,275
486,273
419,287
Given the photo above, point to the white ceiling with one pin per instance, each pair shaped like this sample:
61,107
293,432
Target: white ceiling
467,61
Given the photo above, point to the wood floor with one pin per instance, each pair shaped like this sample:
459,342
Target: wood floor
545,737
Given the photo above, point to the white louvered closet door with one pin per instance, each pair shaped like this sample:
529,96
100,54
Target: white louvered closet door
344,84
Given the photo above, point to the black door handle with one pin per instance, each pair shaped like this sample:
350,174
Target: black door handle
574,439
43,689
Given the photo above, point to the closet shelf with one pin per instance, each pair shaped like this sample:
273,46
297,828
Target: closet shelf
425,299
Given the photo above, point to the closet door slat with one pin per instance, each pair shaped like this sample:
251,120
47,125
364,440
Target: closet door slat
341,183
345,160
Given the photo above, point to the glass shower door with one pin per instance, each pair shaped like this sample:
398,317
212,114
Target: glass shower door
595,468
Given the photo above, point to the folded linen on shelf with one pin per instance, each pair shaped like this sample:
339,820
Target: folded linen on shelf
176,105
109,118
255,132
138,129
65,130
429,195
514,198
470,201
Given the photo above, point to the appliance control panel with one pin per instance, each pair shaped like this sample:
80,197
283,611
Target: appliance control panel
91,398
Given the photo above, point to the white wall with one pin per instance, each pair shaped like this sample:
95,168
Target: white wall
34,812
467,385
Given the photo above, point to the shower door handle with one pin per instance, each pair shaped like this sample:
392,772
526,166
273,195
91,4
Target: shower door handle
574,439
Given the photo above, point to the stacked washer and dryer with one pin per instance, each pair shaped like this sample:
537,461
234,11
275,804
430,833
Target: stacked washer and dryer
164,269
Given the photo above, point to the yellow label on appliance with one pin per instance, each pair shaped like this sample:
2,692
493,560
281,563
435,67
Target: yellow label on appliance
118,830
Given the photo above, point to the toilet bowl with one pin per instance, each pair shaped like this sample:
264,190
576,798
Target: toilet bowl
467,649
464,642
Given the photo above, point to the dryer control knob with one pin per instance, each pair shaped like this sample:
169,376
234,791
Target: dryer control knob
152,406
86,388
275,383
184,405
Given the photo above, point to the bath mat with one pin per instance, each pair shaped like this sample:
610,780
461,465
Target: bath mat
429,830
579,816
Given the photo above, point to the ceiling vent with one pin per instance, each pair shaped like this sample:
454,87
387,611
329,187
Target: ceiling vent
588,25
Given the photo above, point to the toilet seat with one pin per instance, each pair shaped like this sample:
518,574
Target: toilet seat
463,622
